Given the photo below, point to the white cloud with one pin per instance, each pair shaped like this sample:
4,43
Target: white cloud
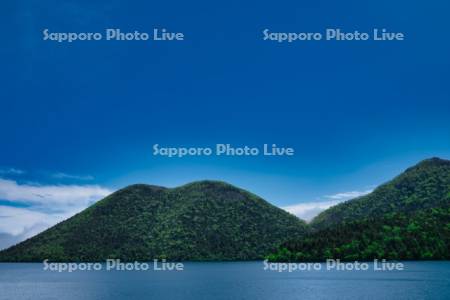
61,175
51,196
18,224
48,205
308,210
348,195
19,221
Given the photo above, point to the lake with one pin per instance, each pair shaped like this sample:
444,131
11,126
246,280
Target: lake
226,280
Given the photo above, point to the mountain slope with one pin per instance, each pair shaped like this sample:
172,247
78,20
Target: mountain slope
406,218
423,186
200,221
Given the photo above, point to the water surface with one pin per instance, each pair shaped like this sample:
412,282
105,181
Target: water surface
228,280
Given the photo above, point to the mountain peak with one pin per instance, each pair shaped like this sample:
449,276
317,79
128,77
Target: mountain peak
202,220
208,182
429,163
434,161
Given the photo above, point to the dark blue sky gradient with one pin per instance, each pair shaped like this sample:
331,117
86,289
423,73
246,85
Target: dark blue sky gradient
357,113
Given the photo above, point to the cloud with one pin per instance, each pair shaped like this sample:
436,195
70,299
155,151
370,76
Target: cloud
51,196
348,195
12,171
48,205
308,210
18,221
57,175
18,224
61,175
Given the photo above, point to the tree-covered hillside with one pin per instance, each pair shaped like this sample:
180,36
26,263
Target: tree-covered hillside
406,218
423,235
426,185
200,221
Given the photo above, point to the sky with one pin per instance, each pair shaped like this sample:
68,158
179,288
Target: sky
79,120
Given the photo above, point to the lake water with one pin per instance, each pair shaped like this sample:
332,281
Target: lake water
231,280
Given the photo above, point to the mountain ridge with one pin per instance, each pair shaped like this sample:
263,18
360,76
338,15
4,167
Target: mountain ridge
204,220
413,182
214,220
405,218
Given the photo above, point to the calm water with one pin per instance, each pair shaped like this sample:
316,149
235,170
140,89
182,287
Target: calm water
239,280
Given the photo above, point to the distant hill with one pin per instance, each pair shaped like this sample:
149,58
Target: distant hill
204,220
426,185
406,218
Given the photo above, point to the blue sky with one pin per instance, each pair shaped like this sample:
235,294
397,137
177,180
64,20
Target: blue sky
357,113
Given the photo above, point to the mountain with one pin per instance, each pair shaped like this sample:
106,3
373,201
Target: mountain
423,186
204,220
406,218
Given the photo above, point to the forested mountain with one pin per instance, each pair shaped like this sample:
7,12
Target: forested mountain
406,218
204,220
423,186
